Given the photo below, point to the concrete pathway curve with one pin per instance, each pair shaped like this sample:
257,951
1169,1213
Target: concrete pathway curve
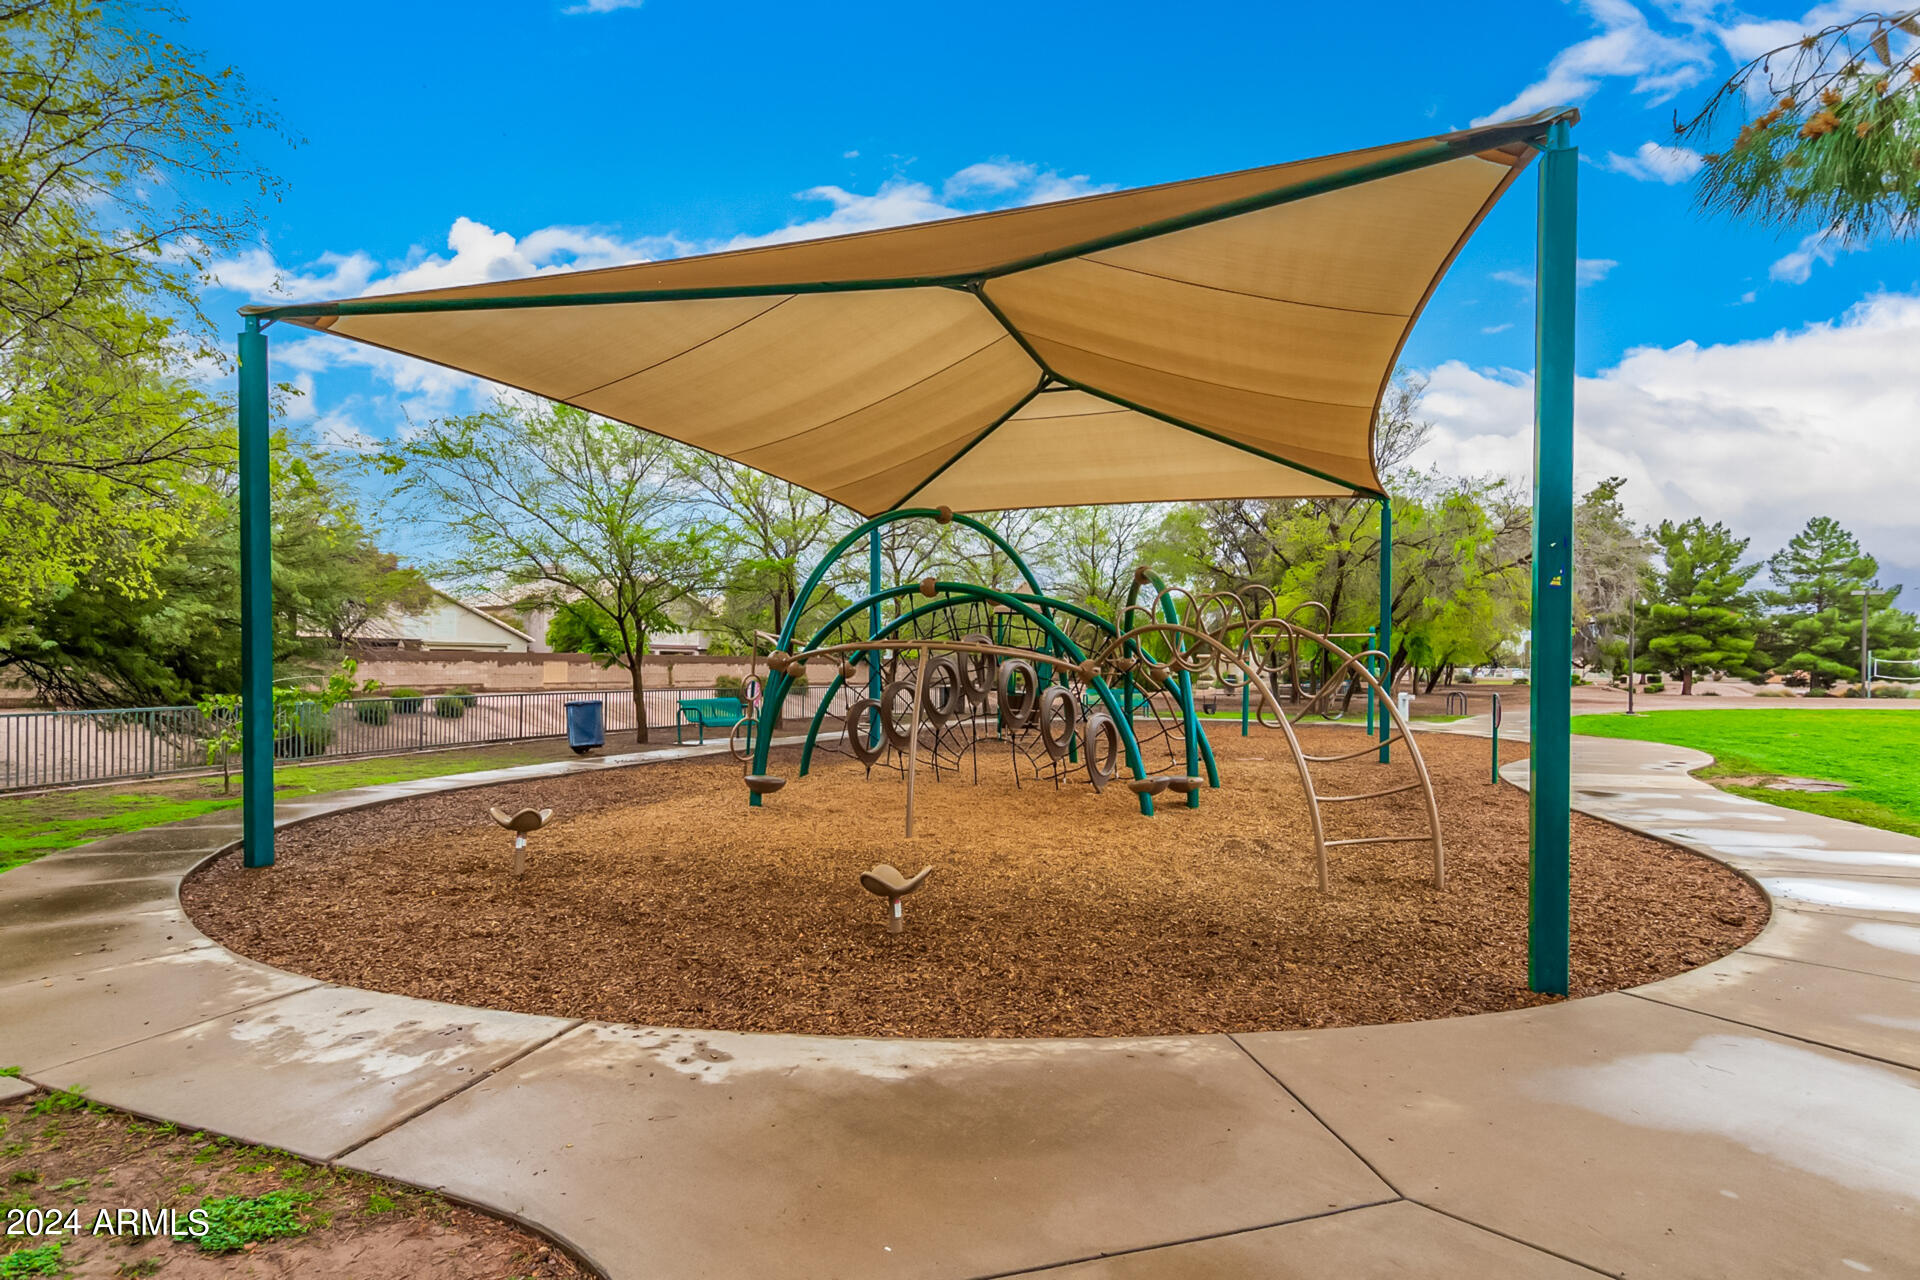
1758,1117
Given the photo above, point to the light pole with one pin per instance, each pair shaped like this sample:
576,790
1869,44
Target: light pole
1633,616
1866,676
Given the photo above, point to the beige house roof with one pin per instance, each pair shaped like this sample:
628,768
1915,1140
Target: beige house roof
1221,337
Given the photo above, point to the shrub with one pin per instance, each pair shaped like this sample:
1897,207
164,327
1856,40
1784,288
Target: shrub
35,1260
466,696
728,686
1465,677
305,731
449,706
406,702
238,1222
1520,679
373,710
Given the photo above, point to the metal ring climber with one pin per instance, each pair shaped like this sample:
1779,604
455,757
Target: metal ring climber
944,696
976,671
891,699
740,739
1018,706
866,744
1059,717
1102,737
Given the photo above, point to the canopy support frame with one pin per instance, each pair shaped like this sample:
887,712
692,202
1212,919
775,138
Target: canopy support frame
1550,791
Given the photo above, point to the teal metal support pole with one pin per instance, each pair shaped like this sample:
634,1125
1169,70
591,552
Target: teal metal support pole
874,575
1386,622
256,603
1548,691
1246,705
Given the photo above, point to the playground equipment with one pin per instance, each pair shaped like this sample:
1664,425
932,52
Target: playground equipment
1901,671
1066,694
520,824
885,881
1458,704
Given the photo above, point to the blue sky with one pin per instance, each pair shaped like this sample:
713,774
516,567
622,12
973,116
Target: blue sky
1735,372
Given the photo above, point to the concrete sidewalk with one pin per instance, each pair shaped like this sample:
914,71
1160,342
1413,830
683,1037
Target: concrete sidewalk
1757,1117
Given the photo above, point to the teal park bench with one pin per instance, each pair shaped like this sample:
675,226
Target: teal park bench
708,713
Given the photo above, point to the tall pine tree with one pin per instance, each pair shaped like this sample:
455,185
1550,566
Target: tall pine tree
1701,617
1819,578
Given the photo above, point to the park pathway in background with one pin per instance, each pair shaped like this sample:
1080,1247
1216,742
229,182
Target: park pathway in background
1757,1117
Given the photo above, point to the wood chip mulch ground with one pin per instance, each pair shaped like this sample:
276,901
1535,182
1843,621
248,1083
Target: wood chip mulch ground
658,897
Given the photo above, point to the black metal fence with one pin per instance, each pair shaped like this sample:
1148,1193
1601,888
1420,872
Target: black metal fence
67,748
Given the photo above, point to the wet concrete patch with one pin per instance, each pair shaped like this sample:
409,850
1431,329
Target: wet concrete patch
1859,1012
315,1072
50,1021
50,950
852,1158
1381,1241
1635,1137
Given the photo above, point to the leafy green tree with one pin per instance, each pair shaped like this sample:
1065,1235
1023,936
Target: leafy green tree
1701,617
1091,553
1461,551
94,642
1829,131
580,511
1819,578
1610,560
771,531
113,141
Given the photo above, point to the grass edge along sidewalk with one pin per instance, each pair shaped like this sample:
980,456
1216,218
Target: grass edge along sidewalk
1875,753
34,825
90,1190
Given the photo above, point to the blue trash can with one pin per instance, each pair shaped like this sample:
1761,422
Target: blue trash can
586,726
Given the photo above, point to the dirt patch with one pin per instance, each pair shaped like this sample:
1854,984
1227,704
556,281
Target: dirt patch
65,1160
658,897
1773,782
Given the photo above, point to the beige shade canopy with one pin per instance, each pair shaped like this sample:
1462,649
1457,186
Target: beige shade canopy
1221,337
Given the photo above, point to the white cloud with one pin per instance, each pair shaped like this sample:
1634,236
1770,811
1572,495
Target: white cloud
299,406
1497,328
998,184
1626,46
602,6
339,431
331,275
989,176
1762,434
1655,163
897,202
478,253
1822,246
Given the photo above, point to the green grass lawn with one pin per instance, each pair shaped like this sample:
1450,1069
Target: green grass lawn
40,824
1876,753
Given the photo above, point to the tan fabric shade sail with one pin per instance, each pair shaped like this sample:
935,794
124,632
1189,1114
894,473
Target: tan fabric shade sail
1221,337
